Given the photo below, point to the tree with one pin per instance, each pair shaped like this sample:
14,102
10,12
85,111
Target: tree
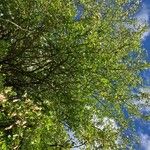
68,75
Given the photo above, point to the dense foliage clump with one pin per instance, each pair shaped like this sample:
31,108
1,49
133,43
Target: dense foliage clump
67,69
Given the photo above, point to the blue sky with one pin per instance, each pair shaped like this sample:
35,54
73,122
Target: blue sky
143,128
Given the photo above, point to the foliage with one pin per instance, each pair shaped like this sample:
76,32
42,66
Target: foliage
60,70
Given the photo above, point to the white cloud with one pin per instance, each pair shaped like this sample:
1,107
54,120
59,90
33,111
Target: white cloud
143,15
145,90
143,18
143,99
105,123
145,141
145,34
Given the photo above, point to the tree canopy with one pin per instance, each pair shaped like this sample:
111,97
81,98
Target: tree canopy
67,71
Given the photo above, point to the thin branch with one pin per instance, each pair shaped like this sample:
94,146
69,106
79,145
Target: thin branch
9,21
